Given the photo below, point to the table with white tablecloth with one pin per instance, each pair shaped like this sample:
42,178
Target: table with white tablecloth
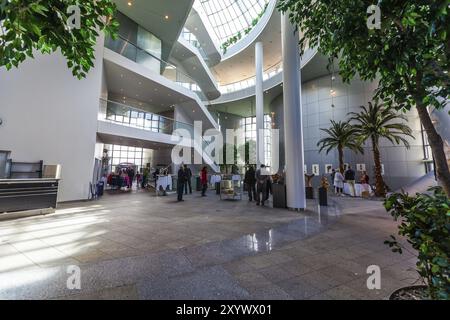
216,178
359,189
164,182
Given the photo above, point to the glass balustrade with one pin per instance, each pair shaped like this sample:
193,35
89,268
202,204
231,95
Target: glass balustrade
250,82
131,117
111,111
143,57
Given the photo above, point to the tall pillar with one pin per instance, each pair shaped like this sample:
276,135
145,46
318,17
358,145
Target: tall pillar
259,63
293,125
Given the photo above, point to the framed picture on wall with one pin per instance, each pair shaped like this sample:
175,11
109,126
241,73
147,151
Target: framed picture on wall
382,169
328,168
316,169
361,167
346,165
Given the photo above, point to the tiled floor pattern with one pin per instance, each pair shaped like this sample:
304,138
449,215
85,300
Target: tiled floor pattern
137,246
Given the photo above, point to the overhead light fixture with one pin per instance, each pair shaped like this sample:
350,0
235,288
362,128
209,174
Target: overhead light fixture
130,3
166,17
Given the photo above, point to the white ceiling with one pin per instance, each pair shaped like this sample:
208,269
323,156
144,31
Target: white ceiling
242,65
123,81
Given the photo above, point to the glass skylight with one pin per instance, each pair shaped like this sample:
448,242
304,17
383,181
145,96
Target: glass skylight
228,17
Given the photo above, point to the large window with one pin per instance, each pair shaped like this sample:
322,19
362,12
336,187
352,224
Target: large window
249,125
123,154
228,17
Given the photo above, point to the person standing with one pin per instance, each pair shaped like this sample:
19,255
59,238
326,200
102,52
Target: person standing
261,185
350,179
181,181
250,181
188,180
339,182
333,174
204,180
145,177
364,178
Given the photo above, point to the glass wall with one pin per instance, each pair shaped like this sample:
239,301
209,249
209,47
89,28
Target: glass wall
136,43
249,125
124,154
131,117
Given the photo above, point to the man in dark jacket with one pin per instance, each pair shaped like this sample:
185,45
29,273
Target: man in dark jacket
250,181
182,177
350,179
188,180
262,178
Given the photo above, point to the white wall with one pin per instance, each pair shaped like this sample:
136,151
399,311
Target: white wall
50,115
402,165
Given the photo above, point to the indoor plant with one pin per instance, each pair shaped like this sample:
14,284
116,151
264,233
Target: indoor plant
425,222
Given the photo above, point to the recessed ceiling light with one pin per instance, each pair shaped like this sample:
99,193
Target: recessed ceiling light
130,3
166,17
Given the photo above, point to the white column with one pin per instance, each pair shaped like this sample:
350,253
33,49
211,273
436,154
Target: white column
293,126
259,63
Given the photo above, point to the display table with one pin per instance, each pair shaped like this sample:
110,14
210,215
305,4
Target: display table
231,190
28,194
216,178
236,177
164,182
359,188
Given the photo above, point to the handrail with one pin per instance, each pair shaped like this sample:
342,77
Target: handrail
266,76
141,110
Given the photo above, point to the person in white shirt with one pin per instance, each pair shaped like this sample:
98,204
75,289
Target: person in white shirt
339,182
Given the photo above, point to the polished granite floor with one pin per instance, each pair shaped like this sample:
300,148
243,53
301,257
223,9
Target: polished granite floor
138,246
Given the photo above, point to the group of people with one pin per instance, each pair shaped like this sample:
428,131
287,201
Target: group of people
185,181
339,177
122,179
259,184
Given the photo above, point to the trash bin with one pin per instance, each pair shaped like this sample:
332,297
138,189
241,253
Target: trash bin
323,197
218,188
198,186
100,188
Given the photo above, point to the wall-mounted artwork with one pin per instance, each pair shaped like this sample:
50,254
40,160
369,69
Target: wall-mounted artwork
382,169
361,167
346,165
328,168
316,169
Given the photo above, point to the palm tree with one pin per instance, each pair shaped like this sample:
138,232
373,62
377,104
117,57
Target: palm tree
341,135
377,122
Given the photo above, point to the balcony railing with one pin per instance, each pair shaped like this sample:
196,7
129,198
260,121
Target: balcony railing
122,114
143,57
251,81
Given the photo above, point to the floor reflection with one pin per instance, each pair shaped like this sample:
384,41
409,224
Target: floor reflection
314,220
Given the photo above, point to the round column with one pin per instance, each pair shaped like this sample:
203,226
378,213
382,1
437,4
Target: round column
259,63
293,122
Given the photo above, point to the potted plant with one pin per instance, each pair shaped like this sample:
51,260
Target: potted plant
425,222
